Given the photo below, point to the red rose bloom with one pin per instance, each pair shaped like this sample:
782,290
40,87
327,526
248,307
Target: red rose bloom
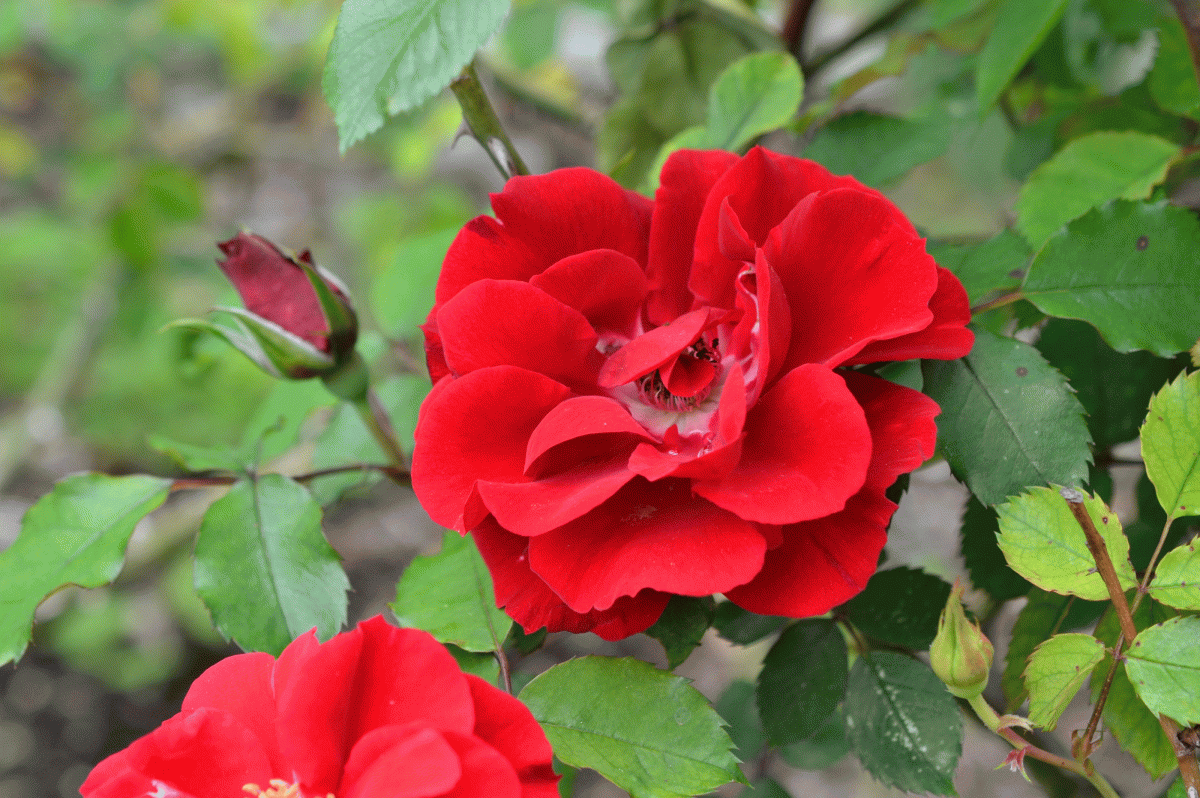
635,399
372,713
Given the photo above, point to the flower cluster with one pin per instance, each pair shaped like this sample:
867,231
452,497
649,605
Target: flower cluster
636,398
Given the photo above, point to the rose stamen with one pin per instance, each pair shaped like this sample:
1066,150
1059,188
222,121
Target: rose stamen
653,388
278,789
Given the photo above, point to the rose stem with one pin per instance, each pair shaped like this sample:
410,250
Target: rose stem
484,124
793,27
875,26
373,414
1189,769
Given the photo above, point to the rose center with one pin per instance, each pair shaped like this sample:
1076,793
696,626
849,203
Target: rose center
685,382
278,788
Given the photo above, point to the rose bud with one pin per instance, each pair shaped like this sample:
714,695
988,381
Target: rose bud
960,655
639,398
371,713
298,321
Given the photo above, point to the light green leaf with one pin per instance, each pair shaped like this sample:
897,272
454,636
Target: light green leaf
803,680
1043,542
1008,419
450,595
1177,578
264,568
1020,27
1136,728
74,535
402,294
645,730
903,723
1172,81
754,95
1171,445
1130,270
1164,666
1090,171
876,148
1056,671
388,56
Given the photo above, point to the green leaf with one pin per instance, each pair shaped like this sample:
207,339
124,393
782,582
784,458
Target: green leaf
1008,419
1171,445
1177,578
1113,387
450,595
981,554
402,294
1044,543
900,606
1056,671
681,627
646,731
264,568
876,148
740,713
388,56
1136,728
1043,615
1020,28
74,535
754,95
823,749
1129,269
1172,81
1165,670
485,666
1090,171
903,723
742,626
994,265
803,679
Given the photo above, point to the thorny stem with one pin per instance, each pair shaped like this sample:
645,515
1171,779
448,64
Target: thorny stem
192,483
376,417
484,124
990,719
794,26
1162,539
998,302
1089,733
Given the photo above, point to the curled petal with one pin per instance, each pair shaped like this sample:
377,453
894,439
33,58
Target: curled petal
606,286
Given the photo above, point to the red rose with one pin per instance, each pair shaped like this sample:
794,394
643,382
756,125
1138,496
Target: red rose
635,399
299,333
374,712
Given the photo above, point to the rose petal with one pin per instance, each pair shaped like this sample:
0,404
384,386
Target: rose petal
576,418
761,189
485,771
242,686
687,178
529,602
806,452
477,427
903,431
541,219
852,274
506,724
408,761
946,337
652,349
650,535
607,287
508,323
821,563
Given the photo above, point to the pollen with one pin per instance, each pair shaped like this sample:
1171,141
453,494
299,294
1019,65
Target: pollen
278,789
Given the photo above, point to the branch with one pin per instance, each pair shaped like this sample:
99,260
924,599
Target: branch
794,26
484,124
1104,563
881,23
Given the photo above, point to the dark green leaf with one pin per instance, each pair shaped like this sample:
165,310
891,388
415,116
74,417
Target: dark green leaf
1171,445
803,679
643,729
981,553
525,642
1114,388
1129,269
997,264
74,535
900,606
1172,81
1136,728
449,595
876,148
740,713
1164,668
823,749
264,568
742,626
903,723
388,56
681,627
1008,419
484,666
766,787
1090,171
1020,27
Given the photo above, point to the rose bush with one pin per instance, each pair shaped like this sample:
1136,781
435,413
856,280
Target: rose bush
638,398
377,711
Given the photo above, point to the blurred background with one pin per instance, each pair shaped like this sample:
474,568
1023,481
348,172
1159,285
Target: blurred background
134,134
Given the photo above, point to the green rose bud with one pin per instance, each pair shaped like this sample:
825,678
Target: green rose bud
961,655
